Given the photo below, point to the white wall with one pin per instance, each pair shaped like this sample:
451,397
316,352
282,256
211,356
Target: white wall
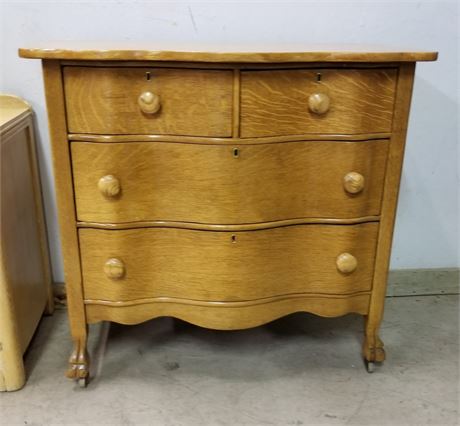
427,225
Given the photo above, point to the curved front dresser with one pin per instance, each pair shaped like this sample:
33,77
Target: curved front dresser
228,190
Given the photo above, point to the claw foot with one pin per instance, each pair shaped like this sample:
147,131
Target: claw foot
79,366
373,350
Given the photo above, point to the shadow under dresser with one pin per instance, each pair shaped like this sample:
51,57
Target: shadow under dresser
226,189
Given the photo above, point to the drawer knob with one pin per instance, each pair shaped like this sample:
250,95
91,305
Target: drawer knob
319,103
114,268
346,263
149,102
109,186
353,182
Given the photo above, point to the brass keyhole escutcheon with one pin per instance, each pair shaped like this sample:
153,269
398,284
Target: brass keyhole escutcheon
236,152
233,238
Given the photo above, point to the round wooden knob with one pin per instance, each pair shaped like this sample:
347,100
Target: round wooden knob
319,103
149,102
114,268
109,186
346,263
353,182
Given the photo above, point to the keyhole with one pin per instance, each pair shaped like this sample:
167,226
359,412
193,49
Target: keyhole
233,238
236,152
147,75
318,77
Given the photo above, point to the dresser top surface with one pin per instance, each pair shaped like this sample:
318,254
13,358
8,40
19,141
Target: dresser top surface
262,53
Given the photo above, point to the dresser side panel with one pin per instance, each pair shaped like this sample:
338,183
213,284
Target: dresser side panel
64,192
390,200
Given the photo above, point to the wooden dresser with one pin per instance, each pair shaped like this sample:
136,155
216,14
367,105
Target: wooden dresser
226,189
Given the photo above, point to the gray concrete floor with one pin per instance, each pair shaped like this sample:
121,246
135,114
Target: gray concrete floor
300,370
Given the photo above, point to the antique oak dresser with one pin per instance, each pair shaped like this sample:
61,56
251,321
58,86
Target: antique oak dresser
226,189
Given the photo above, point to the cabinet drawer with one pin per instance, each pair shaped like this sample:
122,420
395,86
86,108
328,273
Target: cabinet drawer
124,265
136,181
347,101
189,101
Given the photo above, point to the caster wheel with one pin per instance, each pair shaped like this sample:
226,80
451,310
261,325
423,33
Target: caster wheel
82,382
370,366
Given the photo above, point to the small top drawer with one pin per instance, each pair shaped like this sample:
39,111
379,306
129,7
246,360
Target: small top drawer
329,101
133,100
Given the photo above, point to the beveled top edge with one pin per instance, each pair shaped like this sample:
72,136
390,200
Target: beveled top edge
244,54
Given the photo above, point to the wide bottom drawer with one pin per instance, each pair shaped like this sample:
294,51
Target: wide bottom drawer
127,265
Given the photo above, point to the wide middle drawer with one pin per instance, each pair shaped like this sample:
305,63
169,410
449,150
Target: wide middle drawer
148,181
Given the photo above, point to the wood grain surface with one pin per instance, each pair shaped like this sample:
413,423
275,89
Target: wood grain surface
229,316
105,100
373,346
55,104
231,228
276,103
86,137
211,52
208,184
224,267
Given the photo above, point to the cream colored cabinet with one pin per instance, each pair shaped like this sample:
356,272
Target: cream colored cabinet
25,280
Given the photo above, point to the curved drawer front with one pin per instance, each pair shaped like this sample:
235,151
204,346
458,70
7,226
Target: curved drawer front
135,100
135,181
341,101
126,265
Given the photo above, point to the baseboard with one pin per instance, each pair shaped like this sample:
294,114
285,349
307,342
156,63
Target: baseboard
401,282
417,282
